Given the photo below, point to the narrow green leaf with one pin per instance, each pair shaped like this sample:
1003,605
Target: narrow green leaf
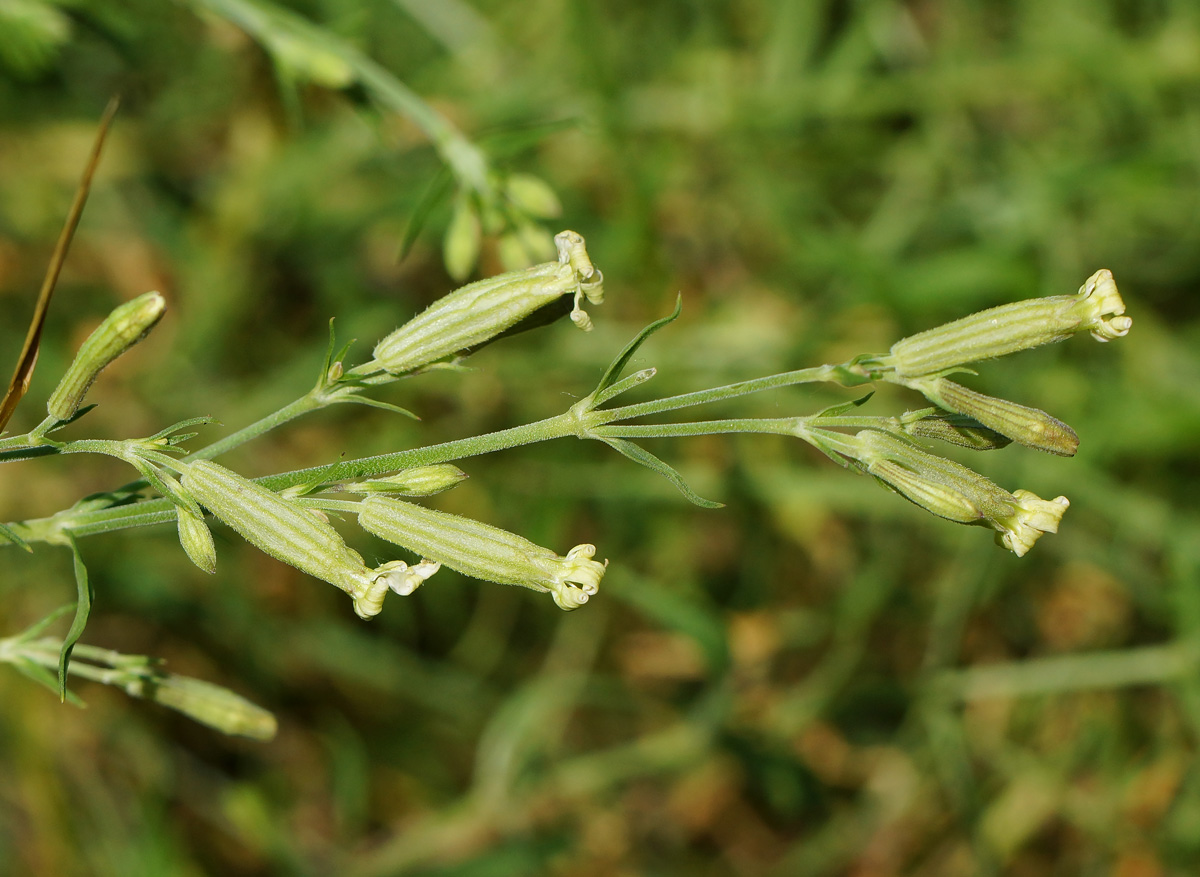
640,455
42,676
624,385
441,185
842,408
37,627
375,403
183,424
83,608
613,372
83,409
10,534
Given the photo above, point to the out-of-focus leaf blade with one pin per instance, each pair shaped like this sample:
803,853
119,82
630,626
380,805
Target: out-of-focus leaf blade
83,608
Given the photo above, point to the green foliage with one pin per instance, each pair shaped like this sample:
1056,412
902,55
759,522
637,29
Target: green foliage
817,678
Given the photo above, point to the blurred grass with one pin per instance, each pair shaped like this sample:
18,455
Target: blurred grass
817,679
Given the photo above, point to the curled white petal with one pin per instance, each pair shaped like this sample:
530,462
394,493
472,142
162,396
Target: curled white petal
1033,517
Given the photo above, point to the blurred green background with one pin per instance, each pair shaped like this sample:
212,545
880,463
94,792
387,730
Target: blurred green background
817,679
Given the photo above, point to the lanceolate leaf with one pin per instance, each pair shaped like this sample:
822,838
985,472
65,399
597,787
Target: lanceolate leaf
7,532
42,676
837,410
37,627
613,372
640,455
83,608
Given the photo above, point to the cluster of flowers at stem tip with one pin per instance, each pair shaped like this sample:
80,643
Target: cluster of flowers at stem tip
922,361
946,488
303,537
478,312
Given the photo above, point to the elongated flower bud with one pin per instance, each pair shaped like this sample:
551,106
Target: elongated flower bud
419,481
479,311
206,703
123,328
484,552
1097,308
957,493
1027,426
285,531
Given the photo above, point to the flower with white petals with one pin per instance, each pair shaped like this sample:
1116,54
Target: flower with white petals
1032,517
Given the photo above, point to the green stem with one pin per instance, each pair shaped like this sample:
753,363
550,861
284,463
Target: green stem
773,426
821,373
90,522
306,403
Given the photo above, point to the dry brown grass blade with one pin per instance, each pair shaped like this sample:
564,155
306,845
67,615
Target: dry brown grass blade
29,353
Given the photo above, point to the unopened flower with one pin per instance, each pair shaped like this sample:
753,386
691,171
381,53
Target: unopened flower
121,329
482,310
1097,308
204,702
196,539
1027,426
419,481
483,551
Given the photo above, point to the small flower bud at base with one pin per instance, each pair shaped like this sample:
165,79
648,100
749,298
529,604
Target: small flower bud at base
419,481
196,539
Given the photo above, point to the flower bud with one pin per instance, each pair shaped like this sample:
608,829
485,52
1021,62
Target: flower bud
419,481
484,552
206,703
532,195
196,539
479,311
1031,427
123,328
1097,308
285,531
